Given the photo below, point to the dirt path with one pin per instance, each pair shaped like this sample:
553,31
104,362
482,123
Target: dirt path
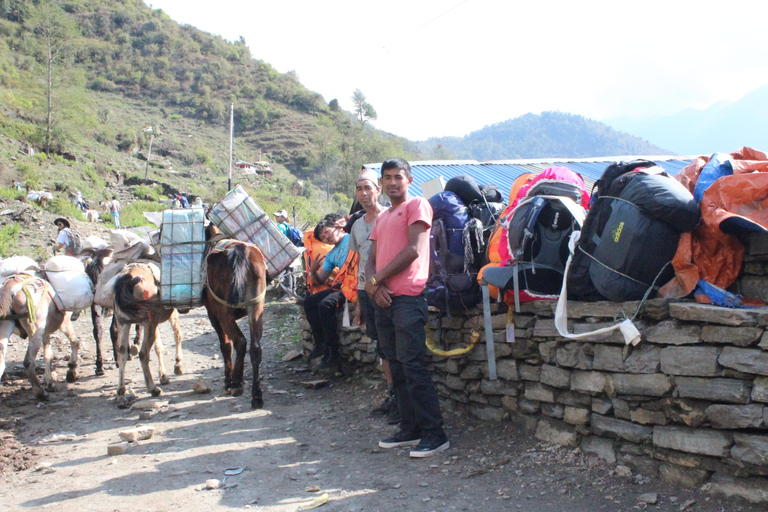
304,439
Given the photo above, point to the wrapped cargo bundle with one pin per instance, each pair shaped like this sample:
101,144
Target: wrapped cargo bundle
15,265
237,215
182,246
74,289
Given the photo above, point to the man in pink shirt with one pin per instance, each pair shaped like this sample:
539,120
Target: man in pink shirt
396,271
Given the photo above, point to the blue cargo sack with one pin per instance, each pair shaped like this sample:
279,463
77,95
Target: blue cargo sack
294,235
451,210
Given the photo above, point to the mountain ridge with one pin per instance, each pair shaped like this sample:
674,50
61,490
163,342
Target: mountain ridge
546,135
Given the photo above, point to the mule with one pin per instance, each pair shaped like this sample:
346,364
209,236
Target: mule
94,268
235,285
137,301
27,307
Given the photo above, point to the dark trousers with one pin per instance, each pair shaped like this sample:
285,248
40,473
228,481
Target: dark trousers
320,309
369,317
402,337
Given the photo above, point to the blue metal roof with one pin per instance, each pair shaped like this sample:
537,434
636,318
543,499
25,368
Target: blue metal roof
503,172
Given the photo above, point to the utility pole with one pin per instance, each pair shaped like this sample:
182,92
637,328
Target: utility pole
231,142
149,153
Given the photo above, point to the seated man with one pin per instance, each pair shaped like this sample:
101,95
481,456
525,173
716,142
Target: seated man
321,307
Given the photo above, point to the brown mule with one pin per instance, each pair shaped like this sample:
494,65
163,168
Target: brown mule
236,282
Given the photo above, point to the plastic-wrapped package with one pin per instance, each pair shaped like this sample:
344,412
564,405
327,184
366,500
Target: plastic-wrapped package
182,246
237,215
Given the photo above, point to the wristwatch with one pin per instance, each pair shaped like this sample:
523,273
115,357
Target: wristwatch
373,281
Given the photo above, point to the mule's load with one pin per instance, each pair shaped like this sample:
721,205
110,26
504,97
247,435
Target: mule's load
73,287
237,215
182,246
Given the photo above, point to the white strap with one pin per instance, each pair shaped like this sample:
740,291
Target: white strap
628,329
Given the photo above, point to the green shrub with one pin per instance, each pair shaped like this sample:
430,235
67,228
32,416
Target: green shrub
11,193
149,192
9,234
62,206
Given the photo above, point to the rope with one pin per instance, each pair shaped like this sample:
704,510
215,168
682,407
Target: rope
432,346
244,304
215,239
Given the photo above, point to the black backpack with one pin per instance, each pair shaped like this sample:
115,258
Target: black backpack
451,285
539,230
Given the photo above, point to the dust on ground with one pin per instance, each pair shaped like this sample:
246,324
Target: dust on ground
304,444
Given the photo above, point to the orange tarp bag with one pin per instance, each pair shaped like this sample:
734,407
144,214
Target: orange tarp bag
347,277
708,253
313,249
495,251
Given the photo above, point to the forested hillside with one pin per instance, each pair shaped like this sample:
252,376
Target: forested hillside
551,134
117,67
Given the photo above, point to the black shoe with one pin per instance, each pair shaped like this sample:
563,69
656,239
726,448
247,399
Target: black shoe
430,445
385,407
402,438
318,351
393,418
331,363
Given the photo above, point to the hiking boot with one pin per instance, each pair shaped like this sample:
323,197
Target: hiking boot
430,445
393,417
329,363
402,438
385,406
317,351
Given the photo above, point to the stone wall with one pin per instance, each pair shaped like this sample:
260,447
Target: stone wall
689,403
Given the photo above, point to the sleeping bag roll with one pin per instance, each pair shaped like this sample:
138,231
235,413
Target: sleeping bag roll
663,199
636,249
630,235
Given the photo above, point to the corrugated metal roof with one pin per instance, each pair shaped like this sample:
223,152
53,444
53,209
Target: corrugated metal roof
503,172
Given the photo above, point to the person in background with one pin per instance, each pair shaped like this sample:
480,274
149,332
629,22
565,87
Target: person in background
114,210
67,238
281,219
15,184
184,201
321,307
367,190
397,270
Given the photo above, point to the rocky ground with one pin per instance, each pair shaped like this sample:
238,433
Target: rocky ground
305,444
307,447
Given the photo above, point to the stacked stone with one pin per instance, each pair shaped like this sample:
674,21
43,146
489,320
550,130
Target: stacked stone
753,281
357,349
689,401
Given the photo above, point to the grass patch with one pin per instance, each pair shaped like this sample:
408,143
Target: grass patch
9,234
12,193
65,208
133,214
147,192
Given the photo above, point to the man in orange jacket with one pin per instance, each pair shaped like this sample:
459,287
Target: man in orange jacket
320,308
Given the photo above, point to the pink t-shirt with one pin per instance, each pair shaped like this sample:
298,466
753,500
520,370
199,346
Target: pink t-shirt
391,235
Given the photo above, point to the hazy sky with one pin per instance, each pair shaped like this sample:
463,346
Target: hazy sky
447,67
